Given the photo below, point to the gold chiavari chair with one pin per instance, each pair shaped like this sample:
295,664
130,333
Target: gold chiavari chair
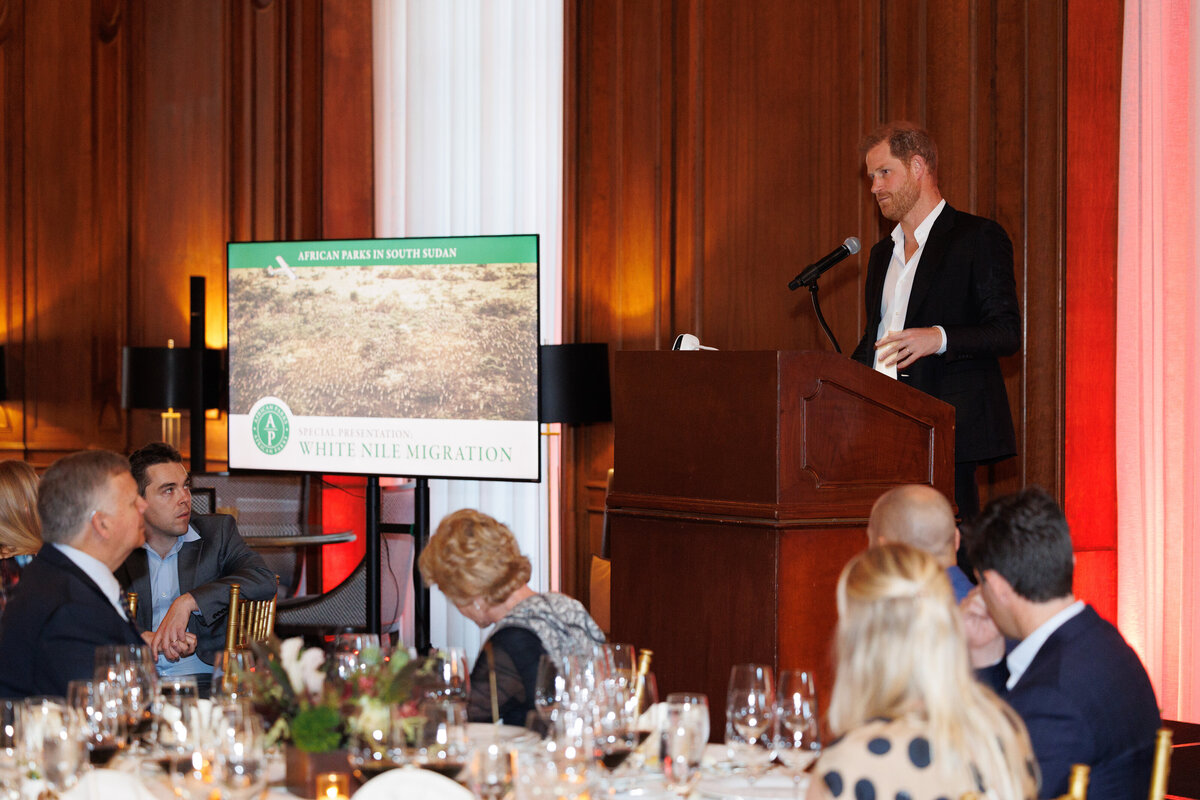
249,620
1162,764
1077,784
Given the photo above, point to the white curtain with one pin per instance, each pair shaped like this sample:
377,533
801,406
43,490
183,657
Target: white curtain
468,141
1158,349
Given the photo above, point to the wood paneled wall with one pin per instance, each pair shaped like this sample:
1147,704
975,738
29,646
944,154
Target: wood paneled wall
137,139
712,153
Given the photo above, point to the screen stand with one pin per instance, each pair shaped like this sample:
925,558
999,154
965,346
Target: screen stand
420,534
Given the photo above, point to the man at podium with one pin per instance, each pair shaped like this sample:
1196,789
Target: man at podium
941,301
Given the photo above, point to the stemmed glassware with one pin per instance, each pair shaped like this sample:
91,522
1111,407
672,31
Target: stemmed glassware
750,718
233,675
131,668
550,691
450,678
377,744
11,749
54,746
99,707
239,760
798,739
441,741
614,725
684,736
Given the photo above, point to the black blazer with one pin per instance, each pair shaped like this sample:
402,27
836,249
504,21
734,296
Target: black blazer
1086,699
52,626
964,283
207,567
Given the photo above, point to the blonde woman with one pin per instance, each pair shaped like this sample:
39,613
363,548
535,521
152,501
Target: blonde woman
476,563
912,721
20,529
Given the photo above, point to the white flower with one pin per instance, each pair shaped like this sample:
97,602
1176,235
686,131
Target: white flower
311,672
303,669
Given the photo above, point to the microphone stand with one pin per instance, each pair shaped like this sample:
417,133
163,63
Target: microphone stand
813,288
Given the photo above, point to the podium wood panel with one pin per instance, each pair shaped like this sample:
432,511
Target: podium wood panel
742,486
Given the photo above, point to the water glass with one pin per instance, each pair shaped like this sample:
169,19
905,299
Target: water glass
53,742
750,718
684,737
798,739
239,759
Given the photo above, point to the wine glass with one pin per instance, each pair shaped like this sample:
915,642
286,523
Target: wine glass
233,675
53,742
239,761
99,707
550,691
614,726
10,749
685,735
131,668
449,678
377,743
441,740
180,735
493,771
749,717
798,741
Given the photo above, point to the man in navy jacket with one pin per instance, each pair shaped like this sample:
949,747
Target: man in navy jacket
1081,690
68,602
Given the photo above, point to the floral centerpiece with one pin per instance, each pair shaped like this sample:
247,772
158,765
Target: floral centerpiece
308,705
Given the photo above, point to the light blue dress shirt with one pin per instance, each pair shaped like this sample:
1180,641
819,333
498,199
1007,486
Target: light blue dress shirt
164,587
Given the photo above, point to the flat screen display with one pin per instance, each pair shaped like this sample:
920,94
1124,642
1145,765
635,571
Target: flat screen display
413,357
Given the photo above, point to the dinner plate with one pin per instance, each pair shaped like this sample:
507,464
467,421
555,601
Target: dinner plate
736,787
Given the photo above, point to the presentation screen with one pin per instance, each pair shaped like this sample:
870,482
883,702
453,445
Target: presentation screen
412,357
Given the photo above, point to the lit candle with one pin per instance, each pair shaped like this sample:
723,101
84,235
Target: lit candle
333,786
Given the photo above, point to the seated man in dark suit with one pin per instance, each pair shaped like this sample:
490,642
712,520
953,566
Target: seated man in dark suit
68,602
1080,688
183,571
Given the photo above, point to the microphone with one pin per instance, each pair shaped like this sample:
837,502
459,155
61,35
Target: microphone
818,268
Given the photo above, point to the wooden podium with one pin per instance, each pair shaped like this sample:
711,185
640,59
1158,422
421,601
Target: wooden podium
742,485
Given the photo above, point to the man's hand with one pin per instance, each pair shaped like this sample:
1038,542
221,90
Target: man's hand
171,638
903,348
985,643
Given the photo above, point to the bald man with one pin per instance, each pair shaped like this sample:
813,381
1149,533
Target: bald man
921,517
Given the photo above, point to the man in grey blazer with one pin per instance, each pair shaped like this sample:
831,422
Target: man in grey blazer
183,572
941,302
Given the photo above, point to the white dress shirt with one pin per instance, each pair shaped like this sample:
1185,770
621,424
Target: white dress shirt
1023,654
101,575
897,285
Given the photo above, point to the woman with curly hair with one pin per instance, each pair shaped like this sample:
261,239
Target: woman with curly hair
912,720
20,528
476,563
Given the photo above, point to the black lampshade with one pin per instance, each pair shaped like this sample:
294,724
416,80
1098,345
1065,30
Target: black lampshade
161,377
573,383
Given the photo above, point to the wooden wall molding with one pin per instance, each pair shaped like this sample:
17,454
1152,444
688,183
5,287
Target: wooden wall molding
137,139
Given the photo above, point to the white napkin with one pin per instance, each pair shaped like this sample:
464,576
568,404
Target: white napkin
105,784
412,783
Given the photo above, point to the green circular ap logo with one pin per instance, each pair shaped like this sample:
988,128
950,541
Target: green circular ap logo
270,428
